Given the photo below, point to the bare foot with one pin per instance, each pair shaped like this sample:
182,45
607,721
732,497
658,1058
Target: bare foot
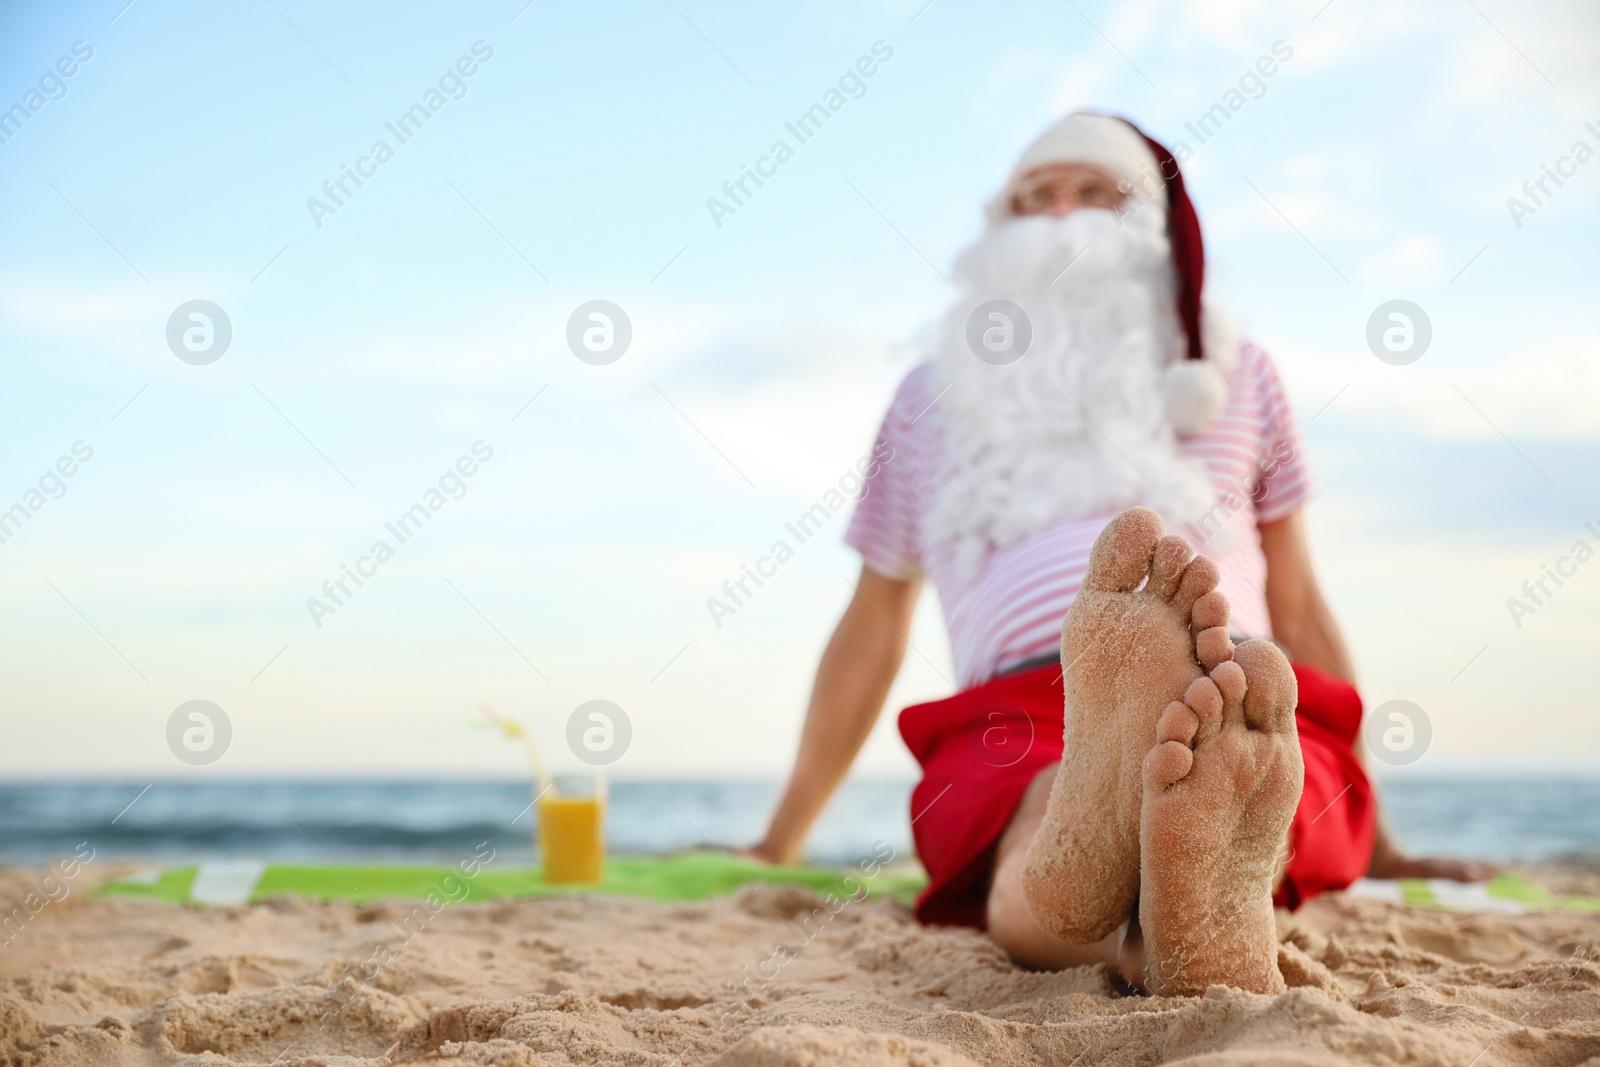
1221,787
1128,652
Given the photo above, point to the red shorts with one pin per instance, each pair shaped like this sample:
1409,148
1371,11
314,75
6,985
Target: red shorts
981,749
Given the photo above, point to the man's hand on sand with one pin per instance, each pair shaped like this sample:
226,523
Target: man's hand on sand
762,854
752,854
1431,867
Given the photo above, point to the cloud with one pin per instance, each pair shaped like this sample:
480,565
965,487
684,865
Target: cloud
1412,259
1081,83
1347,33
1318,214
1134,24
786,346
1231,23
1546,389
57,310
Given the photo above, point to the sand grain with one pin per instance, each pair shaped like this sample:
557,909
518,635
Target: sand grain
632,982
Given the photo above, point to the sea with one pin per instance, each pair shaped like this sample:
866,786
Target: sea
1525,819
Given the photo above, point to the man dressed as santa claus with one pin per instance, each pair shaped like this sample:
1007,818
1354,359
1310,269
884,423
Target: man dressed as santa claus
1140,784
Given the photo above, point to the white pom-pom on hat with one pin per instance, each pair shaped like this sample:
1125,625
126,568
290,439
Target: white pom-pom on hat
1192,394
1194,391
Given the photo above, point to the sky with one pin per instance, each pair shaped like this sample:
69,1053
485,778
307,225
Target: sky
390,336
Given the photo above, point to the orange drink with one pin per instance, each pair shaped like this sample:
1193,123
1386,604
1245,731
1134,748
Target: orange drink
572,830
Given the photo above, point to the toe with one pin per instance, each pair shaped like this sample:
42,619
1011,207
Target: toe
1230,680
1199,578
1205,700
1234,687
1171,556
1270,689
1165,764
1208,611
1213,646
1178,723
1122,553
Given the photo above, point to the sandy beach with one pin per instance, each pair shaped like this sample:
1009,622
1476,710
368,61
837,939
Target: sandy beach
710,533
770,976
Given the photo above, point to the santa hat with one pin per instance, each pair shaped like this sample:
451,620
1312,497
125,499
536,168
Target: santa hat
1195,387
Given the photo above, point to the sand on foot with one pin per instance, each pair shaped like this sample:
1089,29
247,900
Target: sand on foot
1142,629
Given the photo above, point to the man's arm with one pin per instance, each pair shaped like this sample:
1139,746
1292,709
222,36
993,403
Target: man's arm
1302,623
853,680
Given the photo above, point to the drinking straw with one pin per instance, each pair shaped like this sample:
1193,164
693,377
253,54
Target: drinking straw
512,730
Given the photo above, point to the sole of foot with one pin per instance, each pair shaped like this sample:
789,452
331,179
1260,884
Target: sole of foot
1220,789
1144,627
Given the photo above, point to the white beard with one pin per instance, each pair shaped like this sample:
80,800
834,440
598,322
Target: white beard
1076,427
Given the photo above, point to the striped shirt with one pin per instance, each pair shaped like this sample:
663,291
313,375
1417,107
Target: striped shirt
1011,610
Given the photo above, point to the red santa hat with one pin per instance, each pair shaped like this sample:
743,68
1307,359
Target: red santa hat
1195,387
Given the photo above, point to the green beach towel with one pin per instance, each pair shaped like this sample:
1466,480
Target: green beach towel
690,876
682,877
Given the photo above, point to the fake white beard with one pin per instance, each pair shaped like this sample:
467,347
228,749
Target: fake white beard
1077,426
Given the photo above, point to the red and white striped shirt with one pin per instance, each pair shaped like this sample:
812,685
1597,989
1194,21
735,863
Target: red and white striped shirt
1011,610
